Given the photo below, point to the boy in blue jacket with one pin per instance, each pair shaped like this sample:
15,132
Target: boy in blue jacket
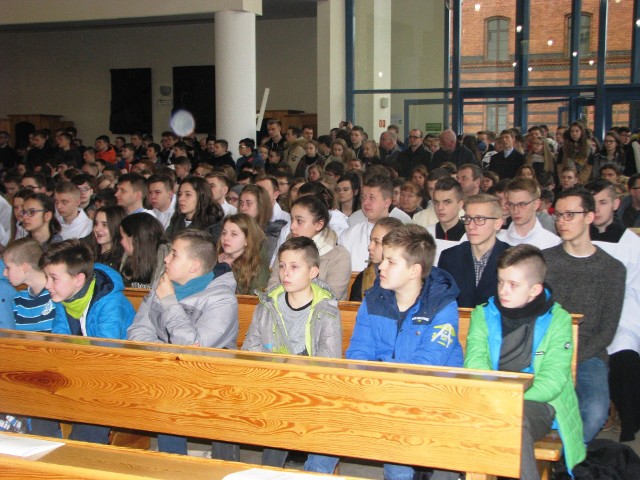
95,306
410,315
522,329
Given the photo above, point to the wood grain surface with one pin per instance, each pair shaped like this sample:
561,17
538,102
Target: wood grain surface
451,418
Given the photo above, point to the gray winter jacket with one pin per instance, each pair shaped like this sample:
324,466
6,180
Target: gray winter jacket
207,319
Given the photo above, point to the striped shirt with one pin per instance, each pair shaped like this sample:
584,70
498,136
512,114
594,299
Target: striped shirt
34,313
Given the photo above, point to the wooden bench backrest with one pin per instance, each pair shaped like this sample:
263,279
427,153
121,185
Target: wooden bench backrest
442,417
348,312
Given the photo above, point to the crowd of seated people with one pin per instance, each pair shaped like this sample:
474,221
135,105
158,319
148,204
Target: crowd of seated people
134,206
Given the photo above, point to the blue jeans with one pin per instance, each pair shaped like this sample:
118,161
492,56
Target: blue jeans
172,444
592,387
315,463
402,472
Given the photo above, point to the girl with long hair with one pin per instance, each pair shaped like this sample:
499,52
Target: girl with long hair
348,192
17,202
242,247
105,238
38,219
255,202
576,152
145,246
340,152
196,209
310,218
540,157
611,153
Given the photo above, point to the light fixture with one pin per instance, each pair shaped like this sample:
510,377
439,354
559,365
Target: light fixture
550,42
591,62
514,64
638,23
380,74
519,28
530,69
477,7
574,54
165,90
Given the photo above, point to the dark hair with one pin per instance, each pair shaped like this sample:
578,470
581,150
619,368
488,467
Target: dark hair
304,244
73,254
325,140
337,168
586,199
207,211
115,214
384,184
437,174
316,207
528,255
475,169
355,181
138,182
159,178
320,190
147,234
632,180
104,138
448,184
39,179
84,178
156,148
247,142
48,205
598,185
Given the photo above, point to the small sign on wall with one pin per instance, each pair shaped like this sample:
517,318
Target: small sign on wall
382,123
433,127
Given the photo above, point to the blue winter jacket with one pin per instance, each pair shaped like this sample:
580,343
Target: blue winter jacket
110,313
427,334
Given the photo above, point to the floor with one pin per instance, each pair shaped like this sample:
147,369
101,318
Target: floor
350,467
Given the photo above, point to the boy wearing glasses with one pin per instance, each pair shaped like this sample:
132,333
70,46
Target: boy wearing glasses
585,279
473,264
523,201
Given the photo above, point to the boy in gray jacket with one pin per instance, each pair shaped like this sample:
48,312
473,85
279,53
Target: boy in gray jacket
188,306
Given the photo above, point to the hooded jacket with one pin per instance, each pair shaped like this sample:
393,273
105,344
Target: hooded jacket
426,334
551,365
109,314
208,318
323,332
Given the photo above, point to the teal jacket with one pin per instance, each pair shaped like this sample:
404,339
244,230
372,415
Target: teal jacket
552,382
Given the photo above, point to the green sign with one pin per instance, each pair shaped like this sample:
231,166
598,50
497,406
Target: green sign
433,127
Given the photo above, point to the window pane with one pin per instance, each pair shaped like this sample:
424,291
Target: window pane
399,44
493,114
488,44
588,50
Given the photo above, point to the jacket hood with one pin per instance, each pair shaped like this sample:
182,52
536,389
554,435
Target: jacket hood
107,281
298,142
321,291
438,291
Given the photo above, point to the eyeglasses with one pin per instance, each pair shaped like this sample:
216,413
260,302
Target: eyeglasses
519,204
566,216
29,187
283,183
479,220
84,189
31,212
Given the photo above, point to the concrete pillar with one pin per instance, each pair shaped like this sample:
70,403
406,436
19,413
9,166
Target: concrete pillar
331,64
235,61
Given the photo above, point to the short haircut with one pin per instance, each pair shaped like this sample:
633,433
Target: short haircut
164,179
527,184
632,180
247,142
325,140
73,254
181,146
336,168
389,223
547,196
475,170
24,250
129,146
201,247
104,138
418,246
304,245
599,185
68,187
156,148
294,131
221,176
526,256
448,184
271,179
484,198
357,128
39,179
138,182
609,166
222,142
586,199
182,160
273,121
383,183
412,187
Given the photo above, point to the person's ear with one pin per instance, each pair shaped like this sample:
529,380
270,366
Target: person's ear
536,290
616,203
415,270
314,272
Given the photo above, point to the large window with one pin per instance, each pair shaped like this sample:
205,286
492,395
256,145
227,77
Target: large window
584,46
498,39
496,119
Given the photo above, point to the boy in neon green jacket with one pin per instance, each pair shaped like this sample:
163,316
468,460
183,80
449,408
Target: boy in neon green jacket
523,330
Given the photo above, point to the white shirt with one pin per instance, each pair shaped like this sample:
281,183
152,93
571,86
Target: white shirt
5,214
79,227
279,214
165,217
538,237
627,335
228,209
442,245
359,217
356,241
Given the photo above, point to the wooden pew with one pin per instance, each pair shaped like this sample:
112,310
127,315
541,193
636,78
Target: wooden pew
82,461
427,416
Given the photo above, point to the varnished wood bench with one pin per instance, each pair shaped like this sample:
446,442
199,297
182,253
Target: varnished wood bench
547,450
440,417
